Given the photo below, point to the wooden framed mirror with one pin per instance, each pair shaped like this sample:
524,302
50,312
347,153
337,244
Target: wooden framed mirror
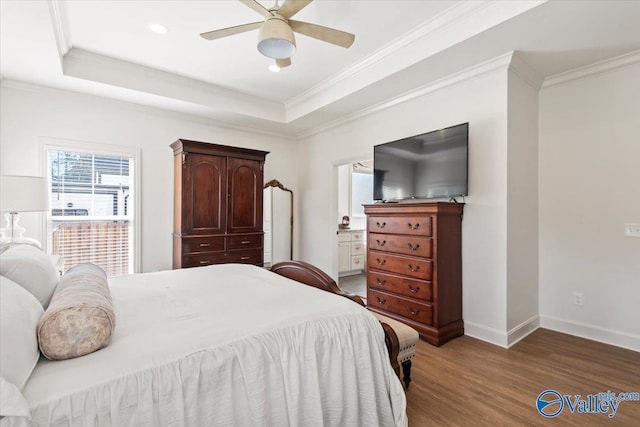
277,223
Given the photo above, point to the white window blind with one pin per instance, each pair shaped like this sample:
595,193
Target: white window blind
91,209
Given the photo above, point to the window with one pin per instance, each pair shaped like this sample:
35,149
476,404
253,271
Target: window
91,214
361,189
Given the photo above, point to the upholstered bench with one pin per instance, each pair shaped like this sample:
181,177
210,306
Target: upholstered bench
407,339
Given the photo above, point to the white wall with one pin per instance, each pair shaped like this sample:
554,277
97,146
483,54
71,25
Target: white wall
30,113
522,208
589,187
482,101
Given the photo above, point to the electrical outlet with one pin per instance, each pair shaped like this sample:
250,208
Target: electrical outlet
578,299
632,230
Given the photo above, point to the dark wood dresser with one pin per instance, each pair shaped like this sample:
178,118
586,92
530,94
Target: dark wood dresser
217,215
414,266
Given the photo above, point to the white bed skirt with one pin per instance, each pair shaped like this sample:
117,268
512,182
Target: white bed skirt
325,365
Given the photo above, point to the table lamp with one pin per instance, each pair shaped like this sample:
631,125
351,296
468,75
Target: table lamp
21,194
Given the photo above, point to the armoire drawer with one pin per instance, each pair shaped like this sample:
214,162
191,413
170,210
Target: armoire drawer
244,241
408,245
418,225
419,289
252,256
416,311
419,268
202,244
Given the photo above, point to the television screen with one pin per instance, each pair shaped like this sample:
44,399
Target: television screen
427,166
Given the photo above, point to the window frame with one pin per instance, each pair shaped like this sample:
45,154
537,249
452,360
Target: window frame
88,147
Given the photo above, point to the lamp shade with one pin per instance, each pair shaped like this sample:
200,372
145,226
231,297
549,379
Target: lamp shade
23,193
276,39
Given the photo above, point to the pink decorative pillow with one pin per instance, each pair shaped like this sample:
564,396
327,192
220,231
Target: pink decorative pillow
80,317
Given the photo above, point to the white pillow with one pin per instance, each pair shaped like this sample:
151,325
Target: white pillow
32,269
19,315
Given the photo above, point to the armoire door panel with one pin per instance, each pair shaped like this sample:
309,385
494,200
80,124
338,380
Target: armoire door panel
207,184
245,195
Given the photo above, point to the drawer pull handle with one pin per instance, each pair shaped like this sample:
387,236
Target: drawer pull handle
414,290
414,312
205,262
356,261
380,282
417,268
205,245
414,227
381,225
381,300
245,242
413,248
245,257
381,261
357,248
381,243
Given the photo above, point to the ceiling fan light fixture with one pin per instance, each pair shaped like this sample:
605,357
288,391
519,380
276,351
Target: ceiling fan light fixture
274,68
276,38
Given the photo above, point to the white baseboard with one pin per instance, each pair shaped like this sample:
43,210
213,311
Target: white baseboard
595,333
484,333
522,330
502,338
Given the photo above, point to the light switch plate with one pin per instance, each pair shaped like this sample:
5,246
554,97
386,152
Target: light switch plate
632,230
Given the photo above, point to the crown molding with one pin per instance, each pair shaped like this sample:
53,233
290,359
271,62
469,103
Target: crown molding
147,109
606,66
453,25
523,70
60,27
499,63
439,21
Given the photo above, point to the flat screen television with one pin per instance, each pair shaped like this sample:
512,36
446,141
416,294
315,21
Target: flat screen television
431,165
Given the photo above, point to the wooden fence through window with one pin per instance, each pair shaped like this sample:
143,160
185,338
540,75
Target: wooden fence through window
104,243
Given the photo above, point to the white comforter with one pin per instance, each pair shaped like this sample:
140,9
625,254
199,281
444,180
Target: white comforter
228,345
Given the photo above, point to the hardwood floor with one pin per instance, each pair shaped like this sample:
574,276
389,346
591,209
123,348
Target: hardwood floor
468,382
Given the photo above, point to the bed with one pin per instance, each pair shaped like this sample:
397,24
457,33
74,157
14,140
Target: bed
226,345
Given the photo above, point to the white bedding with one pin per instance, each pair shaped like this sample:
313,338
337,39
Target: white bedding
228,345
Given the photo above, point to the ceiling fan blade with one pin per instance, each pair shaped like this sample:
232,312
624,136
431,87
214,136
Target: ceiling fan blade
283,62
291,7
253,4
224,32
326,34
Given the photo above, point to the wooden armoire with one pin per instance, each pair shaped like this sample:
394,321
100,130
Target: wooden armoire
217,214
414,266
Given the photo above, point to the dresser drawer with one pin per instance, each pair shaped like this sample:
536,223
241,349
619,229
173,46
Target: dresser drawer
419,289
403,265
357,236
357,248
416,311
357,262
202,244
250,241
408,245
419,225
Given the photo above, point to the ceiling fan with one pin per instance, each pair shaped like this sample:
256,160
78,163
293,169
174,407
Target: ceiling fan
276,38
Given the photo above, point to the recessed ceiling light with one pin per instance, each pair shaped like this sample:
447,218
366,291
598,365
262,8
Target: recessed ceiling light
158,29
274,68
